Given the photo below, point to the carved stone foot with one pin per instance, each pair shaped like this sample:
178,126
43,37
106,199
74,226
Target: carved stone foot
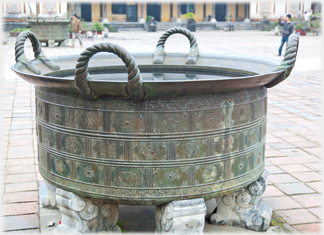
50,200
186,216
84,215
245,208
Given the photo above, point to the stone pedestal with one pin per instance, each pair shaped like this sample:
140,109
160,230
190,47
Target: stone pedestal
83,215
245,208
50,200
51,43
185,216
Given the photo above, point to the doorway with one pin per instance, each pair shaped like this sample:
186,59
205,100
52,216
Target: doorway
221,11
86,11
154,9
131,13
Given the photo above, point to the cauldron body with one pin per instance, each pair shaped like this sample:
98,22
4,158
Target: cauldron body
154,151
187,126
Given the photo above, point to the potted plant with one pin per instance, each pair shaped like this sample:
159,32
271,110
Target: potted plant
264,23
191,23
299,29
84,26
316,26
98,27
150,24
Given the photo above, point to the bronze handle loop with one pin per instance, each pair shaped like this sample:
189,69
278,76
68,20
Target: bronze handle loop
57,17
159,51
21,57
40,18
135,87
288,61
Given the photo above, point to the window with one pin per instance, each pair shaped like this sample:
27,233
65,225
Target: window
118,8
186,8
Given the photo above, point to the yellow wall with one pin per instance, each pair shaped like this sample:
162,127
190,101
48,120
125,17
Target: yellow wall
241,10
109,12
165,12
199,12
231,10
139,10
175,10
209,9
95,12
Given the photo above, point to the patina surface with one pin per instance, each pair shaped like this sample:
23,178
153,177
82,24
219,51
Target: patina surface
200,136
55,29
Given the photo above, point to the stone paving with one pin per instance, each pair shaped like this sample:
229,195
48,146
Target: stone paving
293,135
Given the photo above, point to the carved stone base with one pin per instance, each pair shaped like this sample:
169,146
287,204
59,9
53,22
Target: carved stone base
186,216
50,200
245,208
84,215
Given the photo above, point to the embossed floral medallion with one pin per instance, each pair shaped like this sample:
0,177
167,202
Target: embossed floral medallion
88,172
170,176
72,144
127,123
59,166
150,151
191,149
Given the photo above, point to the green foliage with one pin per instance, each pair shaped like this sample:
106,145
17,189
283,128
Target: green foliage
189,15
293,19
148,18
98,26
276,23
316,14
84,25
316,24
70,28
300,26
111,29
121,225
19,29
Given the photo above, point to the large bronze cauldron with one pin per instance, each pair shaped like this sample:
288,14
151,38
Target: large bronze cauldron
56,29
182,126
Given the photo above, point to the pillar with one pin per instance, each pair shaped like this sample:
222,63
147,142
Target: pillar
213,19
142,20
178,14
247,12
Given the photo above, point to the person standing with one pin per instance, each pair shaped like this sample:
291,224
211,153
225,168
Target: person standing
76,30
288,28
306,16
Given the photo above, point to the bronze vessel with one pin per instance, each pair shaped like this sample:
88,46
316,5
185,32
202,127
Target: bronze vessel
180,126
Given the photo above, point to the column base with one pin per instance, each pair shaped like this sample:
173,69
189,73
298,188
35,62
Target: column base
213,20
245,208
141,20
84,215
179,20
247,20
185,216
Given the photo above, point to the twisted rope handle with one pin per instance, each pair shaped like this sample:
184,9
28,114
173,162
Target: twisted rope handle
185,32
21,57
159,51
20,42
134,86
288,62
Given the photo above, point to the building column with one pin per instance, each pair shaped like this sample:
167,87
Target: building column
213,19
105,18
247,12
179,19
142,20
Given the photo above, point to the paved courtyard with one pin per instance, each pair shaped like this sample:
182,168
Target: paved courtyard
293,152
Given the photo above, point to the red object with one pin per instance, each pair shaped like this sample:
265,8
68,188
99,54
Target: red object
59,222
302,33
99,33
